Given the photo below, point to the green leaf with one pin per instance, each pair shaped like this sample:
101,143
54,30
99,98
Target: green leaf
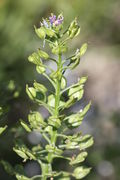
76,92
25,126
69,103
40,69
75,120
21,153
8,168
40,32
85,110
83,49
85,142
43,54
77,141
63,175
80,158
81,172
36,120
75,60
2,129
71,145
30,154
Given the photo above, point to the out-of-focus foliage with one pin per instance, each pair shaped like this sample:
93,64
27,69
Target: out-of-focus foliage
100,24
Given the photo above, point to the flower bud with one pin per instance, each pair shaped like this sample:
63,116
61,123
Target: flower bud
73,29
43,54
31,92
40,32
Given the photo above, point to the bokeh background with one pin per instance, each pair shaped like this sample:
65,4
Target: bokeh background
100,28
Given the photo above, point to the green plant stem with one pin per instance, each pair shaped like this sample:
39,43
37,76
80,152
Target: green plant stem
58,83
57,101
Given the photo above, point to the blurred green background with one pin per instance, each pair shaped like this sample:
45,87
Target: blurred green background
100,28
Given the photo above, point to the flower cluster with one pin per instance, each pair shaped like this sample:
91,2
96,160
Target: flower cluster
52,21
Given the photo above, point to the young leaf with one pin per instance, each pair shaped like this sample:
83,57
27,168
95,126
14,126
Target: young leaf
81,172
21,153
80,158
85,142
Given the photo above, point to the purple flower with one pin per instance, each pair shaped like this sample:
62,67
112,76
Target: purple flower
55,21
52,18
45,23
59,20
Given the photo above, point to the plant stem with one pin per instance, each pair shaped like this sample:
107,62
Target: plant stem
58,83
57,101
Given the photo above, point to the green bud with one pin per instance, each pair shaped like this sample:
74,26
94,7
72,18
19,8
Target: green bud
25,126
35,58
36,120
73,29
31,92
50,33
40,87
51,100
40,69
40,32
63,82
83,49
43,54
54,121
